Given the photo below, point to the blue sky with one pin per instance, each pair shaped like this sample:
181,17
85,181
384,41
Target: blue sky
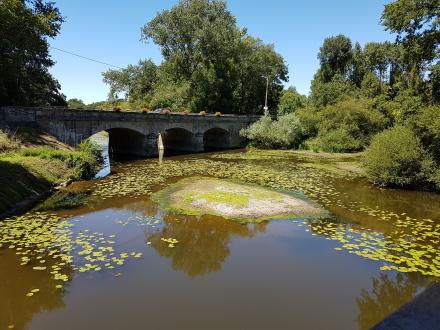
110,31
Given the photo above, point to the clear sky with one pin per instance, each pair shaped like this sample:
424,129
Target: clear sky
110,32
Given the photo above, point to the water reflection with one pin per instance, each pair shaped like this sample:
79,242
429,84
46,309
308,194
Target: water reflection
101,139
161,152
386,296
204,241
15,281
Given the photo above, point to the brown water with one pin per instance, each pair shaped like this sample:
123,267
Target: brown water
281,274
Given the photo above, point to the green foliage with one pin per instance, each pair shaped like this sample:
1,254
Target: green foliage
397,158
27,171
335,57
409,105
290,101
76,104
328,93
378,57
209,63
24,55
416,23
82,162
286,132
427,126
346,126
371,86
135,82
170,95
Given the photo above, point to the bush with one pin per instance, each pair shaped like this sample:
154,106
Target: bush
346,126
218,114
291,101
426,125
284,133
323,94
397,158
202,113
337,140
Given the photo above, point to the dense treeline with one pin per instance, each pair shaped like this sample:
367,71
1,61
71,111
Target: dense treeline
25,26
383,97
208,64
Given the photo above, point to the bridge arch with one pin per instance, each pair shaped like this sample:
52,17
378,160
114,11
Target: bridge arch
216,138
123,142
126,142
179,140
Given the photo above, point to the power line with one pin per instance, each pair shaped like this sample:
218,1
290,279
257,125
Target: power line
86,58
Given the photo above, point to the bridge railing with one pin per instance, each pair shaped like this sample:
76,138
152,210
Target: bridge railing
30,114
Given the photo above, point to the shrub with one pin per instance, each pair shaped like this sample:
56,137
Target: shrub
218,114
328,93
397,158
426,125
117,109
346,126
291,101
202,113
337,140
286,132
145,110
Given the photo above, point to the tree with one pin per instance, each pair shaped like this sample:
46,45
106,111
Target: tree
221,67
335,57
371,86
256,62
25,26
135,82
416,23
358,68
76,104
290,101
323,94
378,59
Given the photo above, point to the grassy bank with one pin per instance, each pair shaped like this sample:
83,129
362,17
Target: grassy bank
31,163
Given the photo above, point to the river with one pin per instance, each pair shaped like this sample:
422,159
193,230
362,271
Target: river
107,265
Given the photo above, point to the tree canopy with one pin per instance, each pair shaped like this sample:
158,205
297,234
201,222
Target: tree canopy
208,63
25,26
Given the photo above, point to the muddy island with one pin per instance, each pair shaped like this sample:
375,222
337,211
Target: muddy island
231,200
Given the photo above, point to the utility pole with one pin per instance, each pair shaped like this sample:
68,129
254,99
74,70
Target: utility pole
267,90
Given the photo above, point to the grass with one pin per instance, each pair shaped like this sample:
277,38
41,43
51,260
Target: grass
8,141
29,171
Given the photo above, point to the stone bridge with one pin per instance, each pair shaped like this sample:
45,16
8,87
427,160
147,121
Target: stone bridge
134,133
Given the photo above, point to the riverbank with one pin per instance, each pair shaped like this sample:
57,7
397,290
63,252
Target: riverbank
32,163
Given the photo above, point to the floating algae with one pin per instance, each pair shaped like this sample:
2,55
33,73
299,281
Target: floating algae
409,245
39,237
